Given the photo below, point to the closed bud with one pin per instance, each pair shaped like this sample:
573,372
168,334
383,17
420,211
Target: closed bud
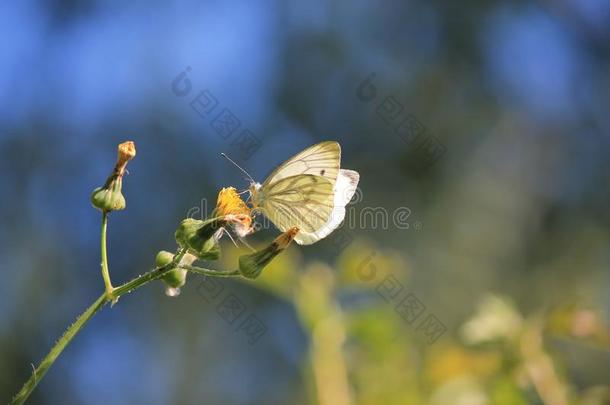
212,253
163,258
199,237
251,266
109,197
176,278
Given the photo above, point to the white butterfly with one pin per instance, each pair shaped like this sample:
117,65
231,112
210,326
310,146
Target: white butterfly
309,191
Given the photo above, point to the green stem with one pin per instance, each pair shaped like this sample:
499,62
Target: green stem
111,294
61,344
69,334
105,271
208,272
147,277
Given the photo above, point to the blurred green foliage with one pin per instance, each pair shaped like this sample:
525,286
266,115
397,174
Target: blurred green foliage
367,354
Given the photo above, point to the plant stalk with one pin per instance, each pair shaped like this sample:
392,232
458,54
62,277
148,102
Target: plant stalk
83,318
208,272
61,344
105,270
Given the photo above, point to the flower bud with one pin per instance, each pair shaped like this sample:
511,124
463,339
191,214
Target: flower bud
109,197
176,278
199,237
163,258
251,266
212,253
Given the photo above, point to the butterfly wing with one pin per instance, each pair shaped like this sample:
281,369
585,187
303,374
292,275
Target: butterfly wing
305,201
308,191
343,191
322,159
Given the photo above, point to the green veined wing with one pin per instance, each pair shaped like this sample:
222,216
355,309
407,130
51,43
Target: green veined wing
304,201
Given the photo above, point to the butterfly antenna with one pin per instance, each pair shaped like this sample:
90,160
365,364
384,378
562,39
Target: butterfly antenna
238,166
231,237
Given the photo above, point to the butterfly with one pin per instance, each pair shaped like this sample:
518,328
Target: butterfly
309,191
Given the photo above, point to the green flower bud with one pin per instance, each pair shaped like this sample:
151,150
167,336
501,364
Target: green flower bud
164,258
176,278
212,254
109,198
199,237
251,266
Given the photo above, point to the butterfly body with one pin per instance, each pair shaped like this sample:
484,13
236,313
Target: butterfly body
257,196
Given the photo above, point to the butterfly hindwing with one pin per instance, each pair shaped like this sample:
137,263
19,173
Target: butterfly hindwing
343,191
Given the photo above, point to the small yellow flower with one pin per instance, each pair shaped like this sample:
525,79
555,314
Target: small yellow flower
229,202
230,206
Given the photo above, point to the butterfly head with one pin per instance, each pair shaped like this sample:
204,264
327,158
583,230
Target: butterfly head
255,193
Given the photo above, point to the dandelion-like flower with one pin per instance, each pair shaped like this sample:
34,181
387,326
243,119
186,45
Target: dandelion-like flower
235,211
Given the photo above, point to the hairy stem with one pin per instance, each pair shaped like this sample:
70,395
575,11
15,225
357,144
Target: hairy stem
61,344
69,334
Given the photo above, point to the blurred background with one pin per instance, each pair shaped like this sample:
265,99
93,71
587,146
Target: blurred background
473,267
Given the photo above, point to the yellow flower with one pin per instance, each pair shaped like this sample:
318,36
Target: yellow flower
230,206
229,202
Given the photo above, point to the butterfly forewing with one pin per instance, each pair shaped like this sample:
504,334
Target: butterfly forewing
322,159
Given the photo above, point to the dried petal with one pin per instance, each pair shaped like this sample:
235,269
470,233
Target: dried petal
252,265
